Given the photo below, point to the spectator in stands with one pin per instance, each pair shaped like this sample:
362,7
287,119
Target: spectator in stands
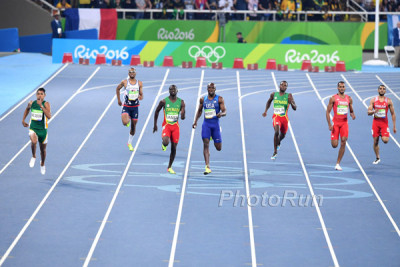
226,5
179,6
335,5
396,45
85,3
56,26
288,7
264,5
141,4
63,5
240,5
189,5
240,38
213,4
130,4
253,6
101,3
201,5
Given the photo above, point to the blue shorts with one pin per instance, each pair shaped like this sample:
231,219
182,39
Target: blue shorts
133,112
213,130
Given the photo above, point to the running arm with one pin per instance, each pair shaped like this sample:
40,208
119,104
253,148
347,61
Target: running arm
222,107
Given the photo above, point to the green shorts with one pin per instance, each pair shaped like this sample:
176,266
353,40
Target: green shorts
41,134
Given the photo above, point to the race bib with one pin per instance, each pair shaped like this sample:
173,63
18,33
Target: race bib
342,110
279,110
210,113
36,115
172,118
133,95
381,113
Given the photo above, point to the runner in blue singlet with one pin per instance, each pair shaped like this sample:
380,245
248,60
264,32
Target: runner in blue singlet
214,108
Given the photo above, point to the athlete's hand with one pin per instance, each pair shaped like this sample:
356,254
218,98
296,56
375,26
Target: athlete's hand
39,102
353,116
119,102
140,97
330,128
194,125
264,114
394,129
155,128
26,125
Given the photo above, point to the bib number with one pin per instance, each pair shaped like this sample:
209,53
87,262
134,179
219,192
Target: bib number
210,113
37,115
133,95
381,113
172,118
279,110
342,110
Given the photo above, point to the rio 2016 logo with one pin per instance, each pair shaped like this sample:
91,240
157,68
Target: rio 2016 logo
211,54
176,34
292,56
82,51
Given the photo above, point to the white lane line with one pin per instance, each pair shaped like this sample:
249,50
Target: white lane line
246,178
185,177
52,118
105,219
361,168
387,87
54,185
366,106
33,93
316,205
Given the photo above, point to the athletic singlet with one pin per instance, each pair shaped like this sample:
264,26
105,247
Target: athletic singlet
381,108
171,111
211,109
131,94
341,108
38,119
281,104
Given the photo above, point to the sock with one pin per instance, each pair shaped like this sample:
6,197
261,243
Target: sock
130,139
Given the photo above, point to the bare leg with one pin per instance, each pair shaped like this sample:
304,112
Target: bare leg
218,146
376,146
34,140
172,155
42,153
133,127
341,149
125,118
206,151
276,138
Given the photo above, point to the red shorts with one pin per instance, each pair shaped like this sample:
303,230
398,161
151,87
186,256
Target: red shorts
282,122
380,128
172,131
340,128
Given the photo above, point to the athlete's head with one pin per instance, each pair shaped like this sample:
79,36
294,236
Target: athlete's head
341,87
211,89
382,90
40,93
283,86
173,90
132,73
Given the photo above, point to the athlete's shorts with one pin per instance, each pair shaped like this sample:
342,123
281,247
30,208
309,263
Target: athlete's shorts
211,130
172,131
282,122
133,112
41,134
339,128
380,128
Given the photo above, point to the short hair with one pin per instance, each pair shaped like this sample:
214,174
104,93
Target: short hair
211,85
41,89
172,86
132,68
239,33
284,82
381,86
340,83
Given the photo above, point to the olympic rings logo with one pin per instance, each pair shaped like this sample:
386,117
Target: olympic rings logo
211,54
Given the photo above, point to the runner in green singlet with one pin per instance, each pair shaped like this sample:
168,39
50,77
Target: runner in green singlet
40,114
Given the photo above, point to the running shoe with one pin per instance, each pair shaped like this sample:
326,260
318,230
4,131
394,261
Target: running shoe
129,124
207,171
130,147
32,162
274,155
338,168
376,161
171,171
278,147
163,147
43,170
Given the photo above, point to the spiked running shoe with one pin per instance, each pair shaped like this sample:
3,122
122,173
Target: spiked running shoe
130,147
43,170
171,171
32,162
274,155
163,148
129,124
207,171
376,161
338,168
